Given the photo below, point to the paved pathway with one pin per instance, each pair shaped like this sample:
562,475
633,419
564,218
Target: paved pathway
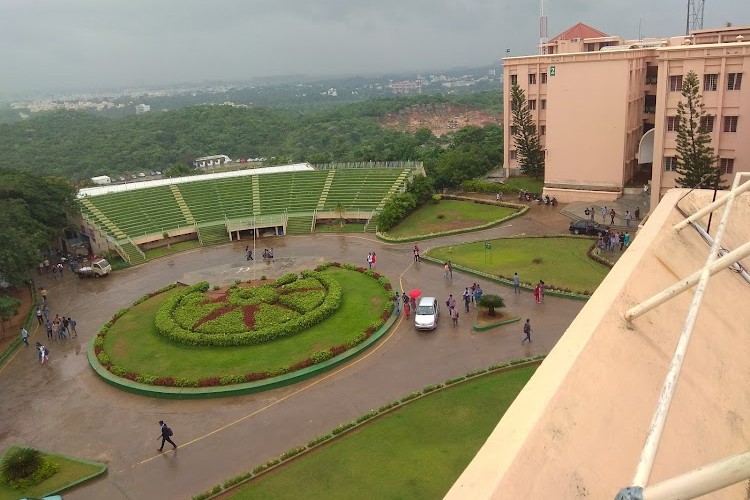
64,407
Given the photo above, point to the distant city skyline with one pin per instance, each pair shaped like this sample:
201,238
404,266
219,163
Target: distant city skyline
47,45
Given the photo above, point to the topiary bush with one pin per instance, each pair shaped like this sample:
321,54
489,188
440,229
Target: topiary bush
491,302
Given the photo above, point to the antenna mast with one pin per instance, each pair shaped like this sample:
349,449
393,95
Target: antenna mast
543,38
694,15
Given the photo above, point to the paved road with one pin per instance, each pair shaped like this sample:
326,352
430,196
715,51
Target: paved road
62,406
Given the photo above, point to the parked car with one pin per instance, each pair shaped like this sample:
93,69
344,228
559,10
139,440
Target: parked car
142,174
588,227
426,315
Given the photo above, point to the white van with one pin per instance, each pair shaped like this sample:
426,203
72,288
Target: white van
426,315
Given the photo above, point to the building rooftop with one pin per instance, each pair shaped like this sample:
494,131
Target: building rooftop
580,31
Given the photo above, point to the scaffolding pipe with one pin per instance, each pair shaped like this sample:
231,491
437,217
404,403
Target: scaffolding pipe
724,262
648,454
703,480
713,206
736,266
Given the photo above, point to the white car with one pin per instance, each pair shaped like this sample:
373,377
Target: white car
426,315
141,175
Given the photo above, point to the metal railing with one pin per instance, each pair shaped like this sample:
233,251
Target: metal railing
719,474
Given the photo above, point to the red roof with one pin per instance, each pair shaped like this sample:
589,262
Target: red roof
580,30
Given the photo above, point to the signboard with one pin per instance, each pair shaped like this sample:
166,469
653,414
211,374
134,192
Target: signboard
487,245
551,71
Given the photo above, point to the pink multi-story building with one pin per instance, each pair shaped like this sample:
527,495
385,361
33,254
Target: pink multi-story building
606,107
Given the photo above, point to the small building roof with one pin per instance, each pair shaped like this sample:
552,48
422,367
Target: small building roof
581,31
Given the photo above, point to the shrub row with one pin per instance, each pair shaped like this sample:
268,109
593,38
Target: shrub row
229,483
477,186
168,327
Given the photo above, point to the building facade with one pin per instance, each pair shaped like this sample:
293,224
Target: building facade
605,107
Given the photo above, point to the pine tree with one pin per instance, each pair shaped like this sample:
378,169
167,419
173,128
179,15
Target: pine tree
529,151
696,161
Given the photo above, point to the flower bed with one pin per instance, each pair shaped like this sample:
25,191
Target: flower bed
300,293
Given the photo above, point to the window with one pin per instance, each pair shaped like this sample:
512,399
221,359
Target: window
532,78
730,123
710,82
544,103
672,122
514,79
707,123
542,129
726,166
512,154
734,81
532,104
590,47
675,83
543,77
670,163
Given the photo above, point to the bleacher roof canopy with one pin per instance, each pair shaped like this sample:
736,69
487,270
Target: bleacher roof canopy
117,188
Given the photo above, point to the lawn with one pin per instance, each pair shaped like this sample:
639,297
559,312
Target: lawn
134,344
448,215
526,183
177,247
70,472
564,261
415,452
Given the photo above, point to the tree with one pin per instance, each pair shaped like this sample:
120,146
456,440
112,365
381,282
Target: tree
341,210
178,170
696,161
8,308
491,301
528,148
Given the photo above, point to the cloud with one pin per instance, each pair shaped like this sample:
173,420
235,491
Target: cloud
94,43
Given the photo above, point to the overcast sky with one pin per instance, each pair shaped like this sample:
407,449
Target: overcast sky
90,44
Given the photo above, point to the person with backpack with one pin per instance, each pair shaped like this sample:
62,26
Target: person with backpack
166,435
527,331
43,353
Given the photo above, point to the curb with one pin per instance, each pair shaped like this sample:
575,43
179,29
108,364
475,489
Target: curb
73,484
221,391
478,328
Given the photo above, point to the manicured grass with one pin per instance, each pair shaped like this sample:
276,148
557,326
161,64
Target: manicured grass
134,344
448,215
525,183
177,247
70,472
415,452
564,263
348,228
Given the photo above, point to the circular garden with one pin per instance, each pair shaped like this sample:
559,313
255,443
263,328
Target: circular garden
201,336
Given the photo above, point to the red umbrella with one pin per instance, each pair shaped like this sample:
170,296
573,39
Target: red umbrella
416,292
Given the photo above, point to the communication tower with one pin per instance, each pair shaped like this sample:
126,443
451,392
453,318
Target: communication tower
694,15
543,37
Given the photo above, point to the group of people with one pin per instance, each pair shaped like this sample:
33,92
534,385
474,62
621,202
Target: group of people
612,241
372,259
267,253
408,303
610,212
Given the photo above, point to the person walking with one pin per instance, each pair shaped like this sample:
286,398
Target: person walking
43,353
25,336
369,260
612,215
445,270
467,299
542,286
538,293
450,270
416,253
48,329
451,302
407,309
405,299
374,259
604,214
248,254
627,217
43,293
627,239
527,331
516,283
397,302
477,295
454,316
39,315
166,436
592,212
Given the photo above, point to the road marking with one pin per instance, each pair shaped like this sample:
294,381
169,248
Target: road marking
298,391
